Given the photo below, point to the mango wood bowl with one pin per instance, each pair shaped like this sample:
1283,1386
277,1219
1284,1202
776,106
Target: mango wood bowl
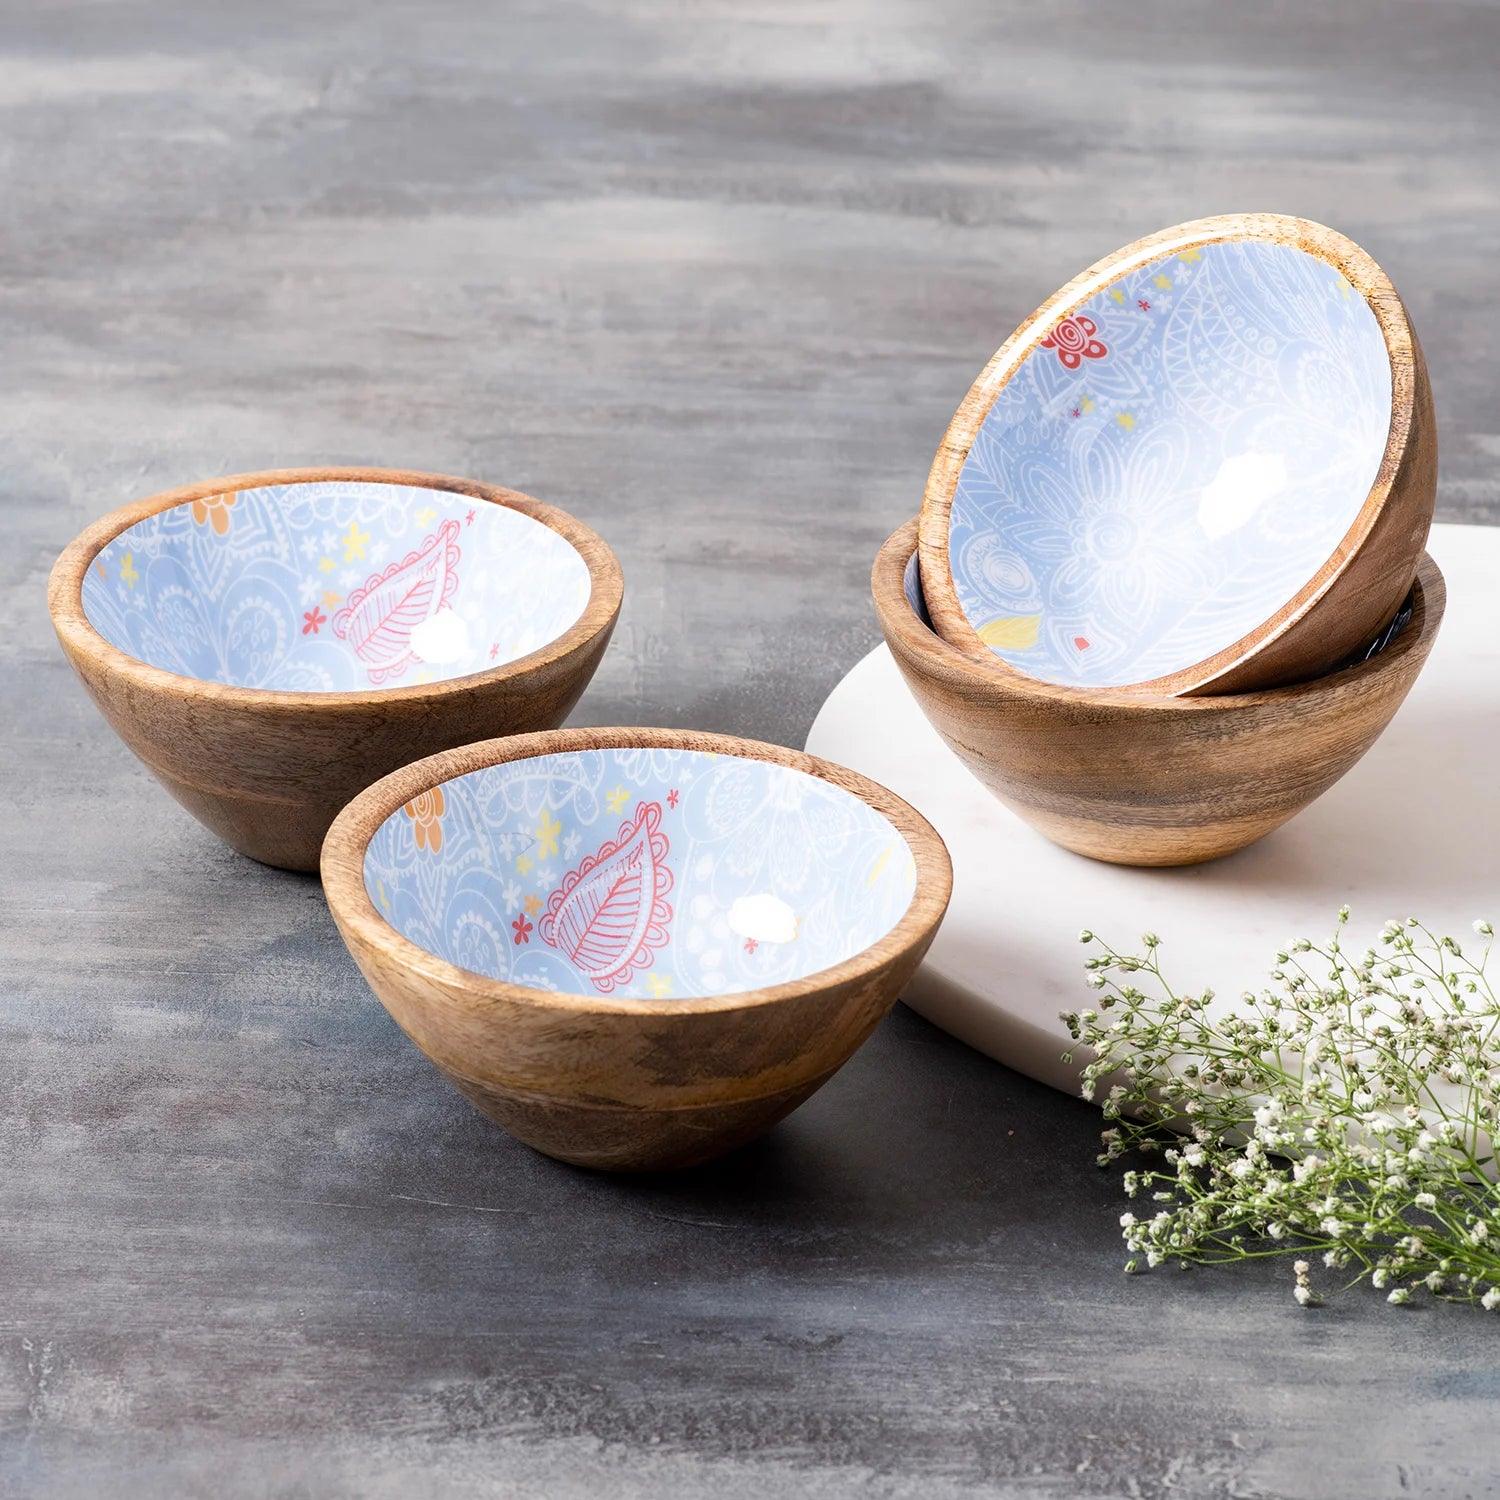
1206,465
634,948
269,644
1149,781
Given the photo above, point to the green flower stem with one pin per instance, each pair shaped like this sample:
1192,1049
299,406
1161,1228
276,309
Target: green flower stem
1350,1111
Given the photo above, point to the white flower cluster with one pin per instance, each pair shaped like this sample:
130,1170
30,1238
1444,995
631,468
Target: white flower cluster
1351,1111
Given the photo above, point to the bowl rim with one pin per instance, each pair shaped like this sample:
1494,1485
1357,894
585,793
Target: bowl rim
81,639
966,674
1357,267
344,848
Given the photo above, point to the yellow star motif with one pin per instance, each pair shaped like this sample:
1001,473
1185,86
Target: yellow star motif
330,599
617,799
1118,295
533,904
523,864
128,572
1125,420
1190,256
355,542
326,565
547,830
1164,282
380,887
660,985
1087,403
426,516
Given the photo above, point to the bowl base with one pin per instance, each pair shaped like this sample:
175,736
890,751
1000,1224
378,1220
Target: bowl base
284,835
1182,837
613,1138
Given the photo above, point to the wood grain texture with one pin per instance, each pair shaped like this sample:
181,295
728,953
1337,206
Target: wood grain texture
1150,781
629,1084
267,770
1369,573
713,279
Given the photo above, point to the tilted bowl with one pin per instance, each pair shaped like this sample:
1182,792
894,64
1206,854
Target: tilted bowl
1206,465
634,948
269,644
1149,781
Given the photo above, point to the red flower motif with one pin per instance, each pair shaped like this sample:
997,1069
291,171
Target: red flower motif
312,619
751,945
1074,340
494,650
1077,411
523,930
1144,305
673,797
469,519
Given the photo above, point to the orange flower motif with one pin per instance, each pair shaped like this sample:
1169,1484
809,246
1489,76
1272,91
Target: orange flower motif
426,813
214,510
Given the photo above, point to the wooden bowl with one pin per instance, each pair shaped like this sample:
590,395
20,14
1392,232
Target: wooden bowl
530,910
269,644
1150,781
1207,465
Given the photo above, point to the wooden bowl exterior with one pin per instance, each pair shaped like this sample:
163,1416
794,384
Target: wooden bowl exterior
628,1084
1369,574
1150,781
268,771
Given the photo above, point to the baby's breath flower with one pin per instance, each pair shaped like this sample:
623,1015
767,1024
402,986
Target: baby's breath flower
1356,1104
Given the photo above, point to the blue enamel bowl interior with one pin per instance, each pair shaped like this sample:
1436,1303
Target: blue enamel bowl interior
911,586
334,586
640,873
1171,464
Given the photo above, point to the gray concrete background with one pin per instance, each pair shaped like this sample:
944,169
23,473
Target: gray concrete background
713,277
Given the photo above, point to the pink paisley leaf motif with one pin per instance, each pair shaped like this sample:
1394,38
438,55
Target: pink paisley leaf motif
378,617
610,915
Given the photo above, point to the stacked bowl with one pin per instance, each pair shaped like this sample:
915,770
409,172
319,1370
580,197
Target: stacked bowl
1168,580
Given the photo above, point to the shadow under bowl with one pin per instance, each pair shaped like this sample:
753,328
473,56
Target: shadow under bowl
1139,780
269,644
634,948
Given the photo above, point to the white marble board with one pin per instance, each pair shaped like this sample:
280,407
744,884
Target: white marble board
1411,830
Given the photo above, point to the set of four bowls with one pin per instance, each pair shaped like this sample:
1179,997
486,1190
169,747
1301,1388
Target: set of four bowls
1166,586
633,948
1168,580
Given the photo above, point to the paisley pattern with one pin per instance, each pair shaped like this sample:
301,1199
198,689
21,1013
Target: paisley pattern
610,915
379,619
334,586
641,874
1171,465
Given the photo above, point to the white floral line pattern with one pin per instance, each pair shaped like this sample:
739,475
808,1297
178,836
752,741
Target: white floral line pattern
678,847
334,587
1170,465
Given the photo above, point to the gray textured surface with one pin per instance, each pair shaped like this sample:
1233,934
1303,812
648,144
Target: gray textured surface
713,278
